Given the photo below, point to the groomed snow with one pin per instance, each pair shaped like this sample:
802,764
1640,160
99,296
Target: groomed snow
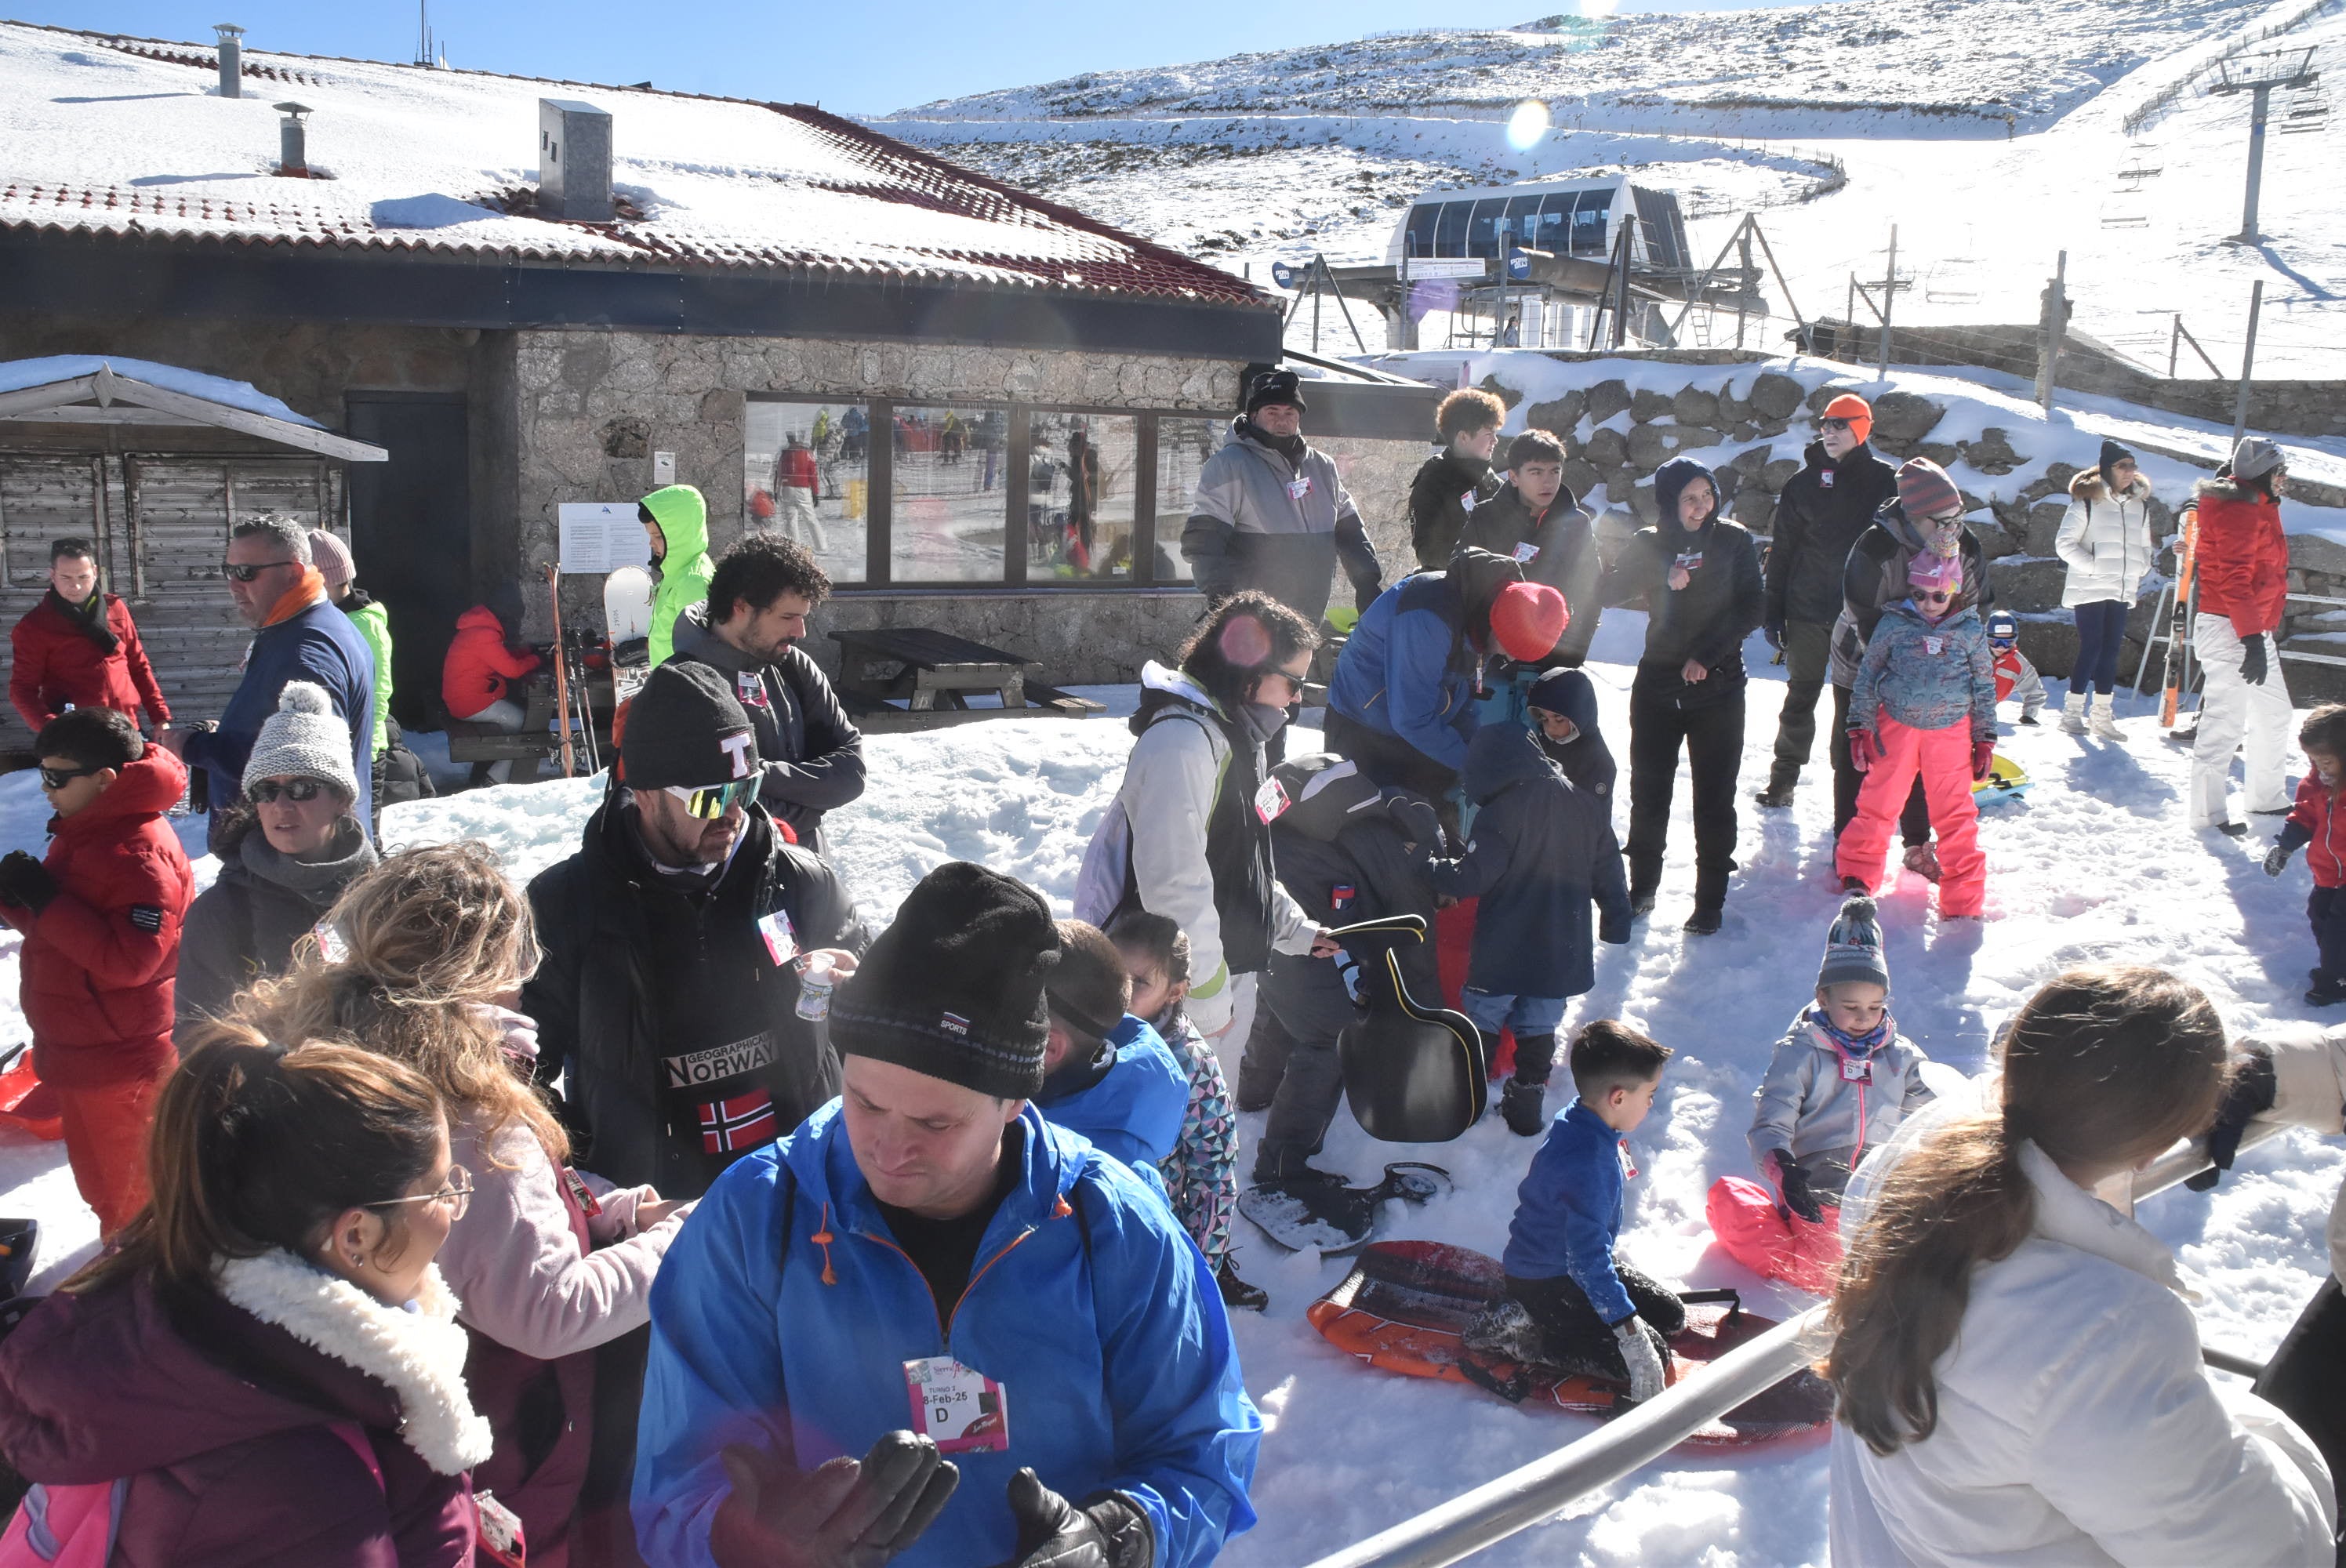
2093,864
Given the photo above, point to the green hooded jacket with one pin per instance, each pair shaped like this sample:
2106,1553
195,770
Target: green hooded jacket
684,572
373,623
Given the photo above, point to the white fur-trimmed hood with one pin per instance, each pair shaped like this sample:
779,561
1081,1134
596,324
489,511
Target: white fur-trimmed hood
419,1355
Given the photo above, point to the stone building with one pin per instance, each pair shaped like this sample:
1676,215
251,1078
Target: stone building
984,411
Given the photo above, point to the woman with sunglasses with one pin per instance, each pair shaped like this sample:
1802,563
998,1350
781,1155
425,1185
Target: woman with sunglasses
1924,704
287,851
549,1263
267,1371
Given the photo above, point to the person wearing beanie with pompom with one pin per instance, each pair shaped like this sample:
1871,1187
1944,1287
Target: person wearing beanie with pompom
1825,507
1086,1407
287,851
1925,515
2105,542
1923,708
1698,571
1839,1083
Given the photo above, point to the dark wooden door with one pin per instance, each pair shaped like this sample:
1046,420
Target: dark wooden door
411,531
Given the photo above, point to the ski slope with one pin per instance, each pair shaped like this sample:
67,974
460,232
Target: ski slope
2093,864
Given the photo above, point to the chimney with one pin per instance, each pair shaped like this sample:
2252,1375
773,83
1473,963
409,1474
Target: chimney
232,59
292,144
574,161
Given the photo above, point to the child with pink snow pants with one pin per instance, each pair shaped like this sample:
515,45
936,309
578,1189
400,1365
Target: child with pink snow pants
1924,702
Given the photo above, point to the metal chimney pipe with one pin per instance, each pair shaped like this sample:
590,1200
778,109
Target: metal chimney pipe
292,143
232,59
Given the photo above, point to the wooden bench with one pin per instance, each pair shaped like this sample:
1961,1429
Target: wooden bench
470,740
933,674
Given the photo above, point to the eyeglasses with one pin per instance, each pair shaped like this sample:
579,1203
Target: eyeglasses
58,778
1934,595
457,1194
230,569
300,791
1832,424
710,803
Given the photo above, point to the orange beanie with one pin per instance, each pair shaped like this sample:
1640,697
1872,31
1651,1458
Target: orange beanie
1857,411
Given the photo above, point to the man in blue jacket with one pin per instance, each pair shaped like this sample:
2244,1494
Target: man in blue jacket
1401,702
1106,1073
931,1243
298,634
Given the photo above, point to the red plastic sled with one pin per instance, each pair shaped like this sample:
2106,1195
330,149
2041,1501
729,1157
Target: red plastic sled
1405,1303
25,1100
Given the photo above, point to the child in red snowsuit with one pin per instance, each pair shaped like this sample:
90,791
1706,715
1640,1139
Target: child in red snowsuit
2317,826
1924,702
101,923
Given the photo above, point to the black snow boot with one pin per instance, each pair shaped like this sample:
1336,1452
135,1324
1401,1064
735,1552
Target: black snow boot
1286,1164
1524,1108
1705,921
2328,991
1237,1292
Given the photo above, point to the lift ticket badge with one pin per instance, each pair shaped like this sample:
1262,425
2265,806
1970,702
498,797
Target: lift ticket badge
1270,800
963,1410
781,942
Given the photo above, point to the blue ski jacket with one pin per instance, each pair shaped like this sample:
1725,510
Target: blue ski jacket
784,1314
1135,1111
320,645
1567,1212
1405,670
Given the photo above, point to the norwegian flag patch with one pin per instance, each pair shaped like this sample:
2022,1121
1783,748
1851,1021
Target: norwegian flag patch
743,1121
147,918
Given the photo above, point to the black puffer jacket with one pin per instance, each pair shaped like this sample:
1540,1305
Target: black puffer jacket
1449,489
1343,833
1707,619
1558,548
1822,511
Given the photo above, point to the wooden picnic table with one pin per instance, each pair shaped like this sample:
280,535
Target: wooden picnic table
933,673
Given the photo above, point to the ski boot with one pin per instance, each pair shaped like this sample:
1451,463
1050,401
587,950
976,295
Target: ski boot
2073,714
2103,722
1922,859
2327,991
1523,1108
1236,1292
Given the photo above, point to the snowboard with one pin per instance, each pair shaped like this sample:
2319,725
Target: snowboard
628,622
2005,780
1405,1304
1332,1217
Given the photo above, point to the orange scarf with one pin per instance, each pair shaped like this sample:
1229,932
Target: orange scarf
308,591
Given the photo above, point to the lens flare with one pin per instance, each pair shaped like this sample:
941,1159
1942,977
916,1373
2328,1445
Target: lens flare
1527,124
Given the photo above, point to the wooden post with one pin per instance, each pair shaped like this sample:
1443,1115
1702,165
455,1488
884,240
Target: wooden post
2055,327
1889,299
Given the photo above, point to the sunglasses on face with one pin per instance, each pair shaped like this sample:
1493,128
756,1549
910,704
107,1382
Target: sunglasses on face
58,778
1934,595
716,800
1832,424
235,572
300,791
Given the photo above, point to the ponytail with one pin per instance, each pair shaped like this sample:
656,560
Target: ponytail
2104,1066
257,1147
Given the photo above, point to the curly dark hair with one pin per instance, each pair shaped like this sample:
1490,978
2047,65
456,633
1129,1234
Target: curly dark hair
761,569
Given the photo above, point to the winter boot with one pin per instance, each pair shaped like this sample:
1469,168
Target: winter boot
2072,713
1523,1106
2103,723
1289,1165
1705,921
1922,859
2327,992
1504,1330
1237,1292
1641,900
1778,794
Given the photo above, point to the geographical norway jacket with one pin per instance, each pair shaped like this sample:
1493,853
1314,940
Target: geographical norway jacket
54,661
2105,538
1807,1105
1444,497
1822,511
1926,676
785,1315
813,752
1131,1105
98,960
1261,520
645,1113
684,572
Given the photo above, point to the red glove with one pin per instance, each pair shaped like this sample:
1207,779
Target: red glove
1983,758
1863,753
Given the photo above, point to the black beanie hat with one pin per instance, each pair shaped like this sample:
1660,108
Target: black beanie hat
1275,386
954,987
2111,455
686,727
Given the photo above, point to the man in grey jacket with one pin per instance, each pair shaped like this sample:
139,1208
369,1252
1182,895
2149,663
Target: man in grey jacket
811,752
1271,511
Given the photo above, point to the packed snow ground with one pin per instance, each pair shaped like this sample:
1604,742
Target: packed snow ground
2091,864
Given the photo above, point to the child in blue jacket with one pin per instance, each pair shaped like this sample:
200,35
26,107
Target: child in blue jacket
1106,1073
1571,1303
1542,852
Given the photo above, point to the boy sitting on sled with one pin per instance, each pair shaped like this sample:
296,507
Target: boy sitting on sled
1570,1302
1841,1082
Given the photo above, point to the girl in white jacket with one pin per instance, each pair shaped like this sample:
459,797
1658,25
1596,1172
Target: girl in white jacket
2019,1379
2106,541
550,1263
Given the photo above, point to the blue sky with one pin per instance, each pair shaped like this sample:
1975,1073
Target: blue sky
854,57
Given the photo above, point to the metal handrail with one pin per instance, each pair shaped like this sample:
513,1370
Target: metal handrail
1522,1498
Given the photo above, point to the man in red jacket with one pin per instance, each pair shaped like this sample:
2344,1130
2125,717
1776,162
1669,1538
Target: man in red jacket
101,923
78,646
2243,581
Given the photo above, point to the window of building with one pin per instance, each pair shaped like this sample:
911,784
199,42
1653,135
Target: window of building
1450,241
1589,221
1418,239
950,493
1482,229
807,474
1081,500
1182,447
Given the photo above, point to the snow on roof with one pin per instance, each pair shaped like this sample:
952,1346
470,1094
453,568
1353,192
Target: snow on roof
16,375
103,134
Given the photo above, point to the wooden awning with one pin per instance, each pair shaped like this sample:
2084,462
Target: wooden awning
105,396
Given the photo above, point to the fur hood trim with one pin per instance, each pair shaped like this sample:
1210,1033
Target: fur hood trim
2228,490
418,1354
2087,486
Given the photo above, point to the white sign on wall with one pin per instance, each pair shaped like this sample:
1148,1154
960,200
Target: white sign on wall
663,468
599,536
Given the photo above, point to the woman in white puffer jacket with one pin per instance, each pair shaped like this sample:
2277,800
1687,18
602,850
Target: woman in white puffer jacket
2107,544
2019,1376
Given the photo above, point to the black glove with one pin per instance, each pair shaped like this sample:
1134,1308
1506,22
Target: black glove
2277,858
1774,632
2252,660
848,1513
2249,1095
25,881
1108,1531
1419,822
1794,1179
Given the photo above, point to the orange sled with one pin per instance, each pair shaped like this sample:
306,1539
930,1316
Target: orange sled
25,1100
